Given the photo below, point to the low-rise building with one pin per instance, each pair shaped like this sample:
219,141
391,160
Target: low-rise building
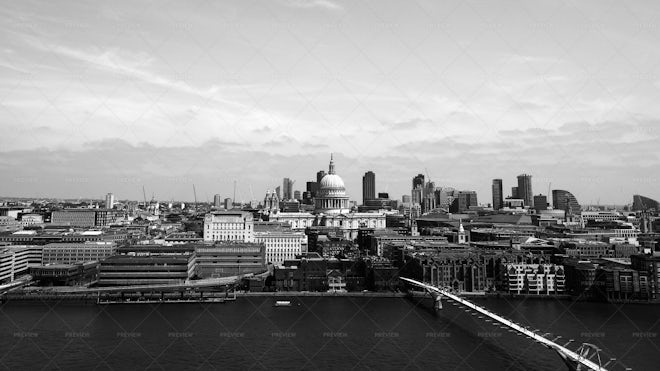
65,274
224,259
71,253
125,270
535,279
281,241
16,260
235,226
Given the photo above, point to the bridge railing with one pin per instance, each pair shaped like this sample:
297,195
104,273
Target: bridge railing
578,358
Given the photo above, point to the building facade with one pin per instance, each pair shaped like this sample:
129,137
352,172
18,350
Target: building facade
564,200
535,279
525,189
229,226
368,186
71,253
498,197
229,258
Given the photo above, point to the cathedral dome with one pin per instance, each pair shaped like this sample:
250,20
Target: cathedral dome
331,195
332,181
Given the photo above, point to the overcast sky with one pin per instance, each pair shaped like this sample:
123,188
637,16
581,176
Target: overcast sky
100,97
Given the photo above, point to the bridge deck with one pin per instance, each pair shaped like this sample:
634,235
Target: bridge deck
571,355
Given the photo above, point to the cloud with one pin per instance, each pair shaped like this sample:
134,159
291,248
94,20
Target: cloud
313,4
131,64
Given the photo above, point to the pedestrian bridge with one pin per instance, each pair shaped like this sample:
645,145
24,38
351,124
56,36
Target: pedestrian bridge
587,357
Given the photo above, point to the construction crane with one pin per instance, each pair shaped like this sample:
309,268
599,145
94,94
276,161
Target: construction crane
195,193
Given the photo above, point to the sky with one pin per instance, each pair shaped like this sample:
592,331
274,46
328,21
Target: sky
100,97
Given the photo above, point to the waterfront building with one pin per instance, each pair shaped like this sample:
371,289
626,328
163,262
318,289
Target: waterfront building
13,263
650,265
229,258
71,253
498,196
65,274
280,240
127,270
525,189
229,226
535,279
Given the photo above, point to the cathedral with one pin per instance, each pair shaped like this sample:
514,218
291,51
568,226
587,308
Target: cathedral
331,209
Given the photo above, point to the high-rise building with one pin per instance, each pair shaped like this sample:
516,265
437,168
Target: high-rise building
368,186
109,201
463,201
287,189
564,200
417,195
217,201
525,189
514,192
319,176
228,203
311,188
642,203
278,192
498,197
418,181
296,195
406,199
540,202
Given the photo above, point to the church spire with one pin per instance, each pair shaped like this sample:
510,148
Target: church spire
331,169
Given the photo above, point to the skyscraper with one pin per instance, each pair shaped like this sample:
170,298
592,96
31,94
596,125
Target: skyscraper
564,200
368,186
498,198
540,202
109,201
463,201
418,181
417,189
287,189
217,201
311,188
525,189
514,192
319,176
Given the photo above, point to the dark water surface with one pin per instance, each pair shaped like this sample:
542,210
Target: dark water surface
316,333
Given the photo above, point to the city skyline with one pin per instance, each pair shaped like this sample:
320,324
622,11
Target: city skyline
101,98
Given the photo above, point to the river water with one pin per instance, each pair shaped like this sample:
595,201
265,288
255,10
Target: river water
317,333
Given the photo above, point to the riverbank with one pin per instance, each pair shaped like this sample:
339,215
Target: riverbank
72,296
